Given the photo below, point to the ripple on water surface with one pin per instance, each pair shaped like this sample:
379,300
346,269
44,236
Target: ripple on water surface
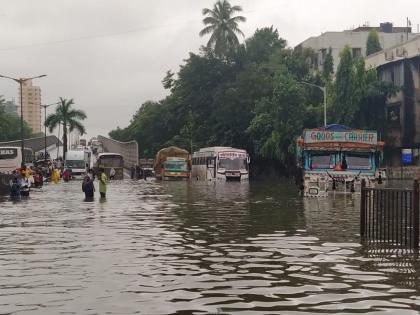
186,248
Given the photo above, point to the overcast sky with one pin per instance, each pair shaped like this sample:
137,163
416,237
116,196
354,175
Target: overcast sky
111,55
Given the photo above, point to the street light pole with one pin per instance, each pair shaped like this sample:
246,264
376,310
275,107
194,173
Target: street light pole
324,90
21,81
45,127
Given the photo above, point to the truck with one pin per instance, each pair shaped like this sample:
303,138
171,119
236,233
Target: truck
147,166
172,163
338,158
75,162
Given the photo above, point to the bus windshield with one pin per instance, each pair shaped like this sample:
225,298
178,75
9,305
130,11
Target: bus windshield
233,164
111,161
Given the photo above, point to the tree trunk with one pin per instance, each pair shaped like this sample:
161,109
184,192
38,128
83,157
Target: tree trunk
64,141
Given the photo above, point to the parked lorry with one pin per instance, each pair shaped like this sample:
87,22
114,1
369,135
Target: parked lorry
172,163
338,158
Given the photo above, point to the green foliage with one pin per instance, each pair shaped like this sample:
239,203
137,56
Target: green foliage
279,119
223,27
252,98
10,125
68,117
358,97
328,66
372,43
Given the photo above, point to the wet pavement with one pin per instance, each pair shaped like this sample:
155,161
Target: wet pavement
195,248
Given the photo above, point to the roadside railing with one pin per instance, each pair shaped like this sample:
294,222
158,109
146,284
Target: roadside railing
390,216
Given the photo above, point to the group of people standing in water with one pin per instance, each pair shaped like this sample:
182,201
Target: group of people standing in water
24,178
88,186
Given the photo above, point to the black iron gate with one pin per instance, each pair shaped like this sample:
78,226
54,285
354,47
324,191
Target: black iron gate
390,216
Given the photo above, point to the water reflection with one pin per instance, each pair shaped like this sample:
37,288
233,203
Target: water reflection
191,248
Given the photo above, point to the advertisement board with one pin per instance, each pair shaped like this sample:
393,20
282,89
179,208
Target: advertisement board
407,156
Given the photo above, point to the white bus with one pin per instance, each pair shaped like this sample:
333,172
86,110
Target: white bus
11,158
221,163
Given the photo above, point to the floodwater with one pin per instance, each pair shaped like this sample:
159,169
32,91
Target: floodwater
195,248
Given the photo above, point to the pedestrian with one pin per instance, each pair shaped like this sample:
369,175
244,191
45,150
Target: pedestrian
133,171
112,173
66,175
103,179
137,172
15,188
55,176
87,185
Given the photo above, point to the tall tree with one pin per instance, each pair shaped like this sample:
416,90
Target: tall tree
328,66
372,44
279,119
10,125
221,23
68,117
344,92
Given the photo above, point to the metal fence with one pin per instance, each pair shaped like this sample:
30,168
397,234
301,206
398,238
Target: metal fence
390,216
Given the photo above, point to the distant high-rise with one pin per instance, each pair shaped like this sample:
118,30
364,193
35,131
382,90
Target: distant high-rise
31,100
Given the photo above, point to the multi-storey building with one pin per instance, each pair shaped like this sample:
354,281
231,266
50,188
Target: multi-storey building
356,39
400,65
31,101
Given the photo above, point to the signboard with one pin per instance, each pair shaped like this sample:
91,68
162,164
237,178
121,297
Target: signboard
407,156
232,155
8,153
352,136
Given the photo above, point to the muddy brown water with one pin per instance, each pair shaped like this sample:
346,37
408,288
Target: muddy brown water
195,248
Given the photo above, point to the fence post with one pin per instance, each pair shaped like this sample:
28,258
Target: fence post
415,206
363,209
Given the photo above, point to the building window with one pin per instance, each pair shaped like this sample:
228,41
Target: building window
394,114
356,52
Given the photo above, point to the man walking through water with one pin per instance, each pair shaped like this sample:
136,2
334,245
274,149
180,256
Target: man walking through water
87,186
103,179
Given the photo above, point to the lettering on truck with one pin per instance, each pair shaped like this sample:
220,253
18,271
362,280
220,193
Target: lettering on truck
318,136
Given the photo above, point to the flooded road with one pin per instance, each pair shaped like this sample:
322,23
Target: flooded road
195,248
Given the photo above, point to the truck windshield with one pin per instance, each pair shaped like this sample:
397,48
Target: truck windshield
179,166
358,161
75,164
233,164
321,160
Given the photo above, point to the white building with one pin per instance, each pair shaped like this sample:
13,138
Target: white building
356,39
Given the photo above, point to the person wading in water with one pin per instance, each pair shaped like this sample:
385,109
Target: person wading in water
103,179
87,186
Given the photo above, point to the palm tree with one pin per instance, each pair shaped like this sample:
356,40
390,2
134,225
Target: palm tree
222,26
68,117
